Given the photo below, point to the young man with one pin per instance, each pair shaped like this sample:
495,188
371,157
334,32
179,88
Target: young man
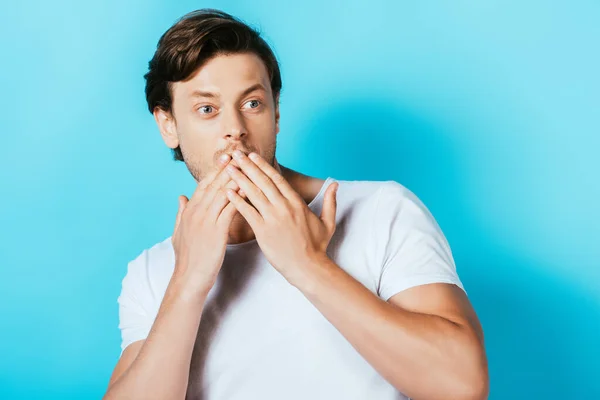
274,284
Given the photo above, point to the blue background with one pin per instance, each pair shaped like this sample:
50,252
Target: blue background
489,111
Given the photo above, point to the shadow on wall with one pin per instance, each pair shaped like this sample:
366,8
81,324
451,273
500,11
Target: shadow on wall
541,331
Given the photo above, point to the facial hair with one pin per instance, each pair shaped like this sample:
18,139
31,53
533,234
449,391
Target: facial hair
199,173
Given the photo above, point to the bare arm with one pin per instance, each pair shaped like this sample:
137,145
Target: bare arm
426,341
160,369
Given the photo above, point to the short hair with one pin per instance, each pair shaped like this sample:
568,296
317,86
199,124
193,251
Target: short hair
191,42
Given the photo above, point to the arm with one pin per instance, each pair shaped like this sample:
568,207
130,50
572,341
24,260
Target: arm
426,341
161,368
426,348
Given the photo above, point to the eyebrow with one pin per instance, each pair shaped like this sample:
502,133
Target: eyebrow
202,93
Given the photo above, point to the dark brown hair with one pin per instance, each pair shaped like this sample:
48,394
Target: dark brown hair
192,41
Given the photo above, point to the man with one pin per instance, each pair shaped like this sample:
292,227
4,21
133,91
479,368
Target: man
274,284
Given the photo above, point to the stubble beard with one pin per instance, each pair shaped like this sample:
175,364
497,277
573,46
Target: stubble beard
199,173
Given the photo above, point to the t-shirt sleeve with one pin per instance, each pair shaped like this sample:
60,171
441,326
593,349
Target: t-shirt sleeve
412,247
135,302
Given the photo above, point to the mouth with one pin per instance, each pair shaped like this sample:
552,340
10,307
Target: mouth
230,152
245,151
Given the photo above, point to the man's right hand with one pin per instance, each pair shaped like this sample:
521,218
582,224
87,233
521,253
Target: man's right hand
202,230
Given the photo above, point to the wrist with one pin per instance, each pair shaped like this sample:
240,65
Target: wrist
189,288
311,271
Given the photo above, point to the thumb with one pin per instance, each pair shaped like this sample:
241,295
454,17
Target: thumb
329,207
182,203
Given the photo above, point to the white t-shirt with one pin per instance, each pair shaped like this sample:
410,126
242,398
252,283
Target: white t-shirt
260,338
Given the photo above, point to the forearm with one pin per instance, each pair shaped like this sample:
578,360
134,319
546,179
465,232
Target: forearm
423,356
161,369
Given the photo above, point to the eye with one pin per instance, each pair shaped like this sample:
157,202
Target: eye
256,103
203,108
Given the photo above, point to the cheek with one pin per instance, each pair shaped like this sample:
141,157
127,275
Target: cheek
264,127
197,148
197,135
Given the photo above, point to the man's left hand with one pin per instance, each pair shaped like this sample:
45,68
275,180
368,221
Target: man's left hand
290,235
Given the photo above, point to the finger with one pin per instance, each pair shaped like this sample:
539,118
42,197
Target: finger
216,206
182,202
259,178
255,195
216,189
222,162
220,200
207,193
232,185
329,207
226,216
250,214
278,180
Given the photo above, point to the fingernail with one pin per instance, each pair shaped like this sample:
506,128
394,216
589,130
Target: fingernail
237,154
224,158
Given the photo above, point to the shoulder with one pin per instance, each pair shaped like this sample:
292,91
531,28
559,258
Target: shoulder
394,210
156,259
156,252
368,189
395,199
384,197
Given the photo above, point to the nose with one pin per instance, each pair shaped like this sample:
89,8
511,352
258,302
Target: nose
234,126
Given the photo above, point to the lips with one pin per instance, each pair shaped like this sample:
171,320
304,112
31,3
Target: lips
230,151
246,152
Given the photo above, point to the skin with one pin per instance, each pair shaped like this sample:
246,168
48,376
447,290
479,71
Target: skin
426,340
207,127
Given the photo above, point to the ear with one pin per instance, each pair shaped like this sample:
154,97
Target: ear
166,125
277,114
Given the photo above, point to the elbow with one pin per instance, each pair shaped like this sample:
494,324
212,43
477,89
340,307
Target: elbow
477,385
473,376
479,390
473,388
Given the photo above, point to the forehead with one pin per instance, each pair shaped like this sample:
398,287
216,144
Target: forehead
226,75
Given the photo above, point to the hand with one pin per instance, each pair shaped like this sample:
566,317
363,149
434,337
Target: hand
202,229
287,231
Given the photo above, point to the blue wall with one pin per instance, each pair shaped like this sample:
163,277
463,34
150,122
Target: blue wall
488,111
